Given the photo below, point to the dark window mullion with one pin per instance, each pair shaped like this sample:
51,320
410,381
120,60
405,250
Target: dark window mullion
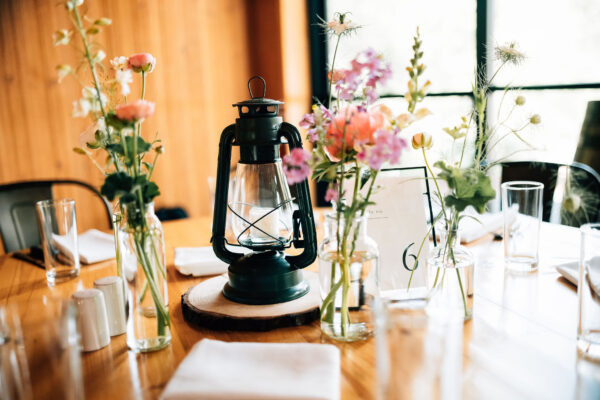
549,87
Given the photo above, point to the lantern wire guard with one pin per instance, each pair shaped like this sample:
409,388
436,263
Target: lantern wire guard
265,221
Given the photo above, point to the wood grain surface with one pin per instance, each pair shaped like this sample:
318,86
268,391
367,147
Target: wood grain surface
206,51
519,344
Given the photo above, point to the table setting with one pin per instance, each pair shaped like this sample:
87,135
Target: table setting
432,280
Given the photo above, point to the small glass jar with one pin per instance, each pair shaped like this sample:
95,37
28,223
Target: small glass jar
450,269
141,264
347,256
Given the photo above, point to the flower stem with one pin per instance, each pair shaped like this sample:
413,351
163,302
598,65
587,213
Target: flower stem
337,43
439,192
88,57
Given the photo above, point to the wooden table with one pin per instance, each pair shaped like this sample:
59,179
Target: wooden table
519,344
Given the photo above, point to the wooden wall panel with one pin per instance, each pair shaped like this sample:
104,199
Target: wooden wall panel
206,51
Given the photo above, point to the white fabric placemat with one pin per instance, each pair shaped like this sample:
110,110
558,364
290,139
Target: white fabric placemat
257,371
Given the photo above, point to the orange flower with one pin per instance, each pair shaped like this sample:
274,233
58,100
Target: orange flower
357,126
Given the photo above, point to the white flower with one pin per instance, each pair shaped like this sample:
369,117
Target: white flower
120,63
71,4
99,56
61,37
509,53
63,70
124,78
88,102
81,108
340,28
339,25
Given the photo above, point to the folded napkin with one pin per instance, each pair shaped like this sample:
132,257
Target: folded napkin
570,271
198,261
262,371
94,246
472,229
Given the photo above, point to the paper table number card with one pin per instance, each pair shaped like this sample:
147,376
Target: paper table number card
398,222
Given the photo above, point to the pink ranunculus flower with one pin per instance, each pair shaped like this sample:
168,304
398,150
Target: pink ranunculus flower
357,126
295,166
136,111
142,62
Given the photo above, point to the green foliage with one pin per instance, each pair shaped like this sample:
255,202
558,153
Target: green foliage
470,187
128,152
123,187
114,122
118,185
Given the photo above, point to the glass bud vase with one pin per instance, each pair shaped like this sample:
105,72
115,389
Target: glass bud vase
141,264
347,256
450,275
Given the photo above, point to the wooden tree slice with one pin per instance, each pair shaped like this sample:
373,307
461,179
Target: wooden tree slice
205,305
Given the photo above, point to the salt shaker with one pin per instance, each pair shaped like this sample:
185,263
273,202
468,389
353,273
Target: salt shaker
91,319
114,298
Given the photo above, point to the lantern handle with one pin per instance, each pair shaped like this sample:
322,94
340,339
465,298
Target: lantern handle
264,86
309,254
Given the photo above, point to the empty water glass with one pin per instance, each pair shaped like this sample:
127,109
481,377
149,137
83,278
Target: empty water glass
522,208
58,226
418,353
588,332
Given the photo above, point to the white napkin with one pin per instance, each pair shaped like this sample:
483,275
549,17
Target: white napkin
198,261
262,371
94,246
570,271
471,229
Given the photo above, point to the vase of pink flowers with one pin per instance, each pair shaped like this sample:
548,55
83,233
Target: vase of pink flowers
352,140
130,160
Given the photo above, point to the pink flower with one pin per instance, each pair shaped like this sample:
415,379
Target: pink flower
368,69
135,111
142,62
337,75
358,127
316,122
332,193
295,165
387,148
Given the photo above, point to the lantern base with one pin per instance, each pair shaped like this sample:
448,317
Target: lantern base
204,305
264,278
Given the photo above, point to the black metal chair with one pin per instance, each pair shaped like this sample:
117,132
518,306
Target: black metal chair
584,177
18,220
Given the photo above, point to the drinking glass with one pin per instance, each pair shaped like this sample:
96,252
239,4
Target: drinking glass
39,350
418,353
588,291
58,226
522,208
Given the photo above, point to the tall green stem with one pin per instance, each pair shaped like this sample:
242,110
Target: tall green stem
88,57
337,43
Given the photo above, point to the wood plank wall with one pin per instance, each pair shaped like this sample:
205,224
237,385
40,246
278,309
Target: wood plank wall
206,51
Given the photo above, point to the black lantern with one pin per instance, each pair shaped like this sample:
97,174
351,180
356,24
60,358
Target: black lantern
263,215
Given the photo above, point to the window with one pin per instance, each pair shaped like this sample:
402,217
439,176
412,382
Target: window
558,78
